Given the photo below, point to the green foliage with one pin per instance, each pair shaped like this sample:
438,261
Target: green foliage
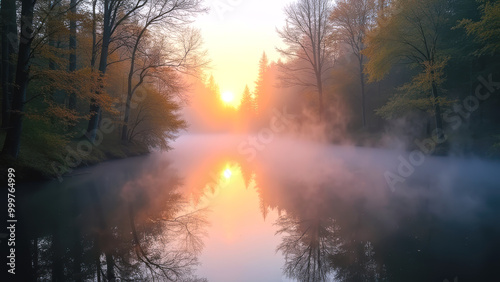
410,34
417,94
487,29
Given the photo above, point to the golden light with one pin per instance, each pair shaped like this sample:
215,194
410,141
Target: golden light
227,97
227,173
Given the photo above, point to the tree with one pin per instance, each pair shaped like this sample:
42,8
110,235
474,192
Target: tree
411,33
260,84
351,20
72,48
171,15
307,243
116,12
247,106
9,45
36,47
486,30
306,34
13,138
156,119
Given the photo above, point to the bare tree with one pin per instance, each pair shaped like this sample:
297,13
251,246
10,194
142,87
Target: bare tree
351,20
116,12
168,14
310,54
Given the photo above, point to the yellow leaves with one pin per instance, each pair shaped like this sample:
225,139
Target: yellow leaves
400,105
382,49
105,101
410,33
486,30
417,94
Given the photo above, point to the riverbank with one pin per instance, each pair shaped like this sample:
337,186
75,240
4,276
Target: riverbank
484,145
36,164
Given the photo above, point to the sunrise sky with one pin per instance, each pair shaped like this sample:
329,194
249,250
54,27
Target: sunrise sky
236,32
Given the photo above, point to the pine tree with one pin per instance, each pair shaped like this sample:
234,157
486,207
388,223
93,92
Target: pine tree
260,95
247,107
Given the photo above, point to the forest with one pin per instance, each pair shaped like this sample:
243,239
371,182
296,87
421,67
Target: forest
85,81
165,140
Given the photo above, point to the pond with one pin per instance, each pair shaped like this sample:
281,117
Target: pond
290,210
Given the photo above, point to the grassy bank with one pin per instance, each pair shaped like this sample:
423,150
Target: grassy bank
41,158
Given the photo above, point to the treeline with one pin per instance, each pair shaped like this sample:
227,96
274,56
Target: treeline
417,68
86,80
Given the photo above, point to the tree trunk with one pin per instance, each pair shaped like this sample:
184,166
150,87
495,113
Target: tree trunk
437,108
320,97
126,117
72,48
13,138
9,45
95,108
104,236
129,92
76,248
57,255
362,81
110,267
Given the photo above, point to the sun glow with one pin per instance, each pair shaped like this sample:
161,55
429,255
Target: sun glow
227,173
227,97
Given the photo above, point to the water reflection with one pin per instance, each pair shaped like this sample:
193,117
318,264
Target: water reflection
344,226
307,245
126,224
321,214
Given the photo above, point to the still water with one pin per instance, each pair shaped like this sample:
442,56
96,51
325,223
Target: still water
290,211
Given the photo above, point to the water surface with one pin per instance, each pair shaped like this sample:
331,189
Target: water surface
298,211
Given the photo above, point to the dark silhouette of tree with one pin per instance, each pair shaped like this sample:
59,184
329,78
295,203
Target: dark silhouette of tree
122,229
115,14
71,99
9,45
13,139
307,245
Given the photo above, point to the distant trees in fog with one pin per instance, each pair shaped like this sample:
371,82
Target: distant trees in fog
367,63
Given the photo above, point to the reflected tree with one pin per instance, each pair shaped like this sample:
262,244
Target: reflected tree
307,245
355,261
131,230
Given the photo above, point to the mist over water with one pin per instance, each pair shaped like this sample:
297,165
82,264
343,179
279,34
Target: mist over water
441,219
293,210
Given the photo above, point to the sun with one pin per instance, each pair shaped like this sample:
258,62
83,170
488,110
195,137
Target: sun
227,97
227,173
